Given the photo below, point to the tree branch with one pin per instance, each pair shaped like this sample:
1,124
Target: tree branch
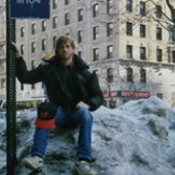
172,10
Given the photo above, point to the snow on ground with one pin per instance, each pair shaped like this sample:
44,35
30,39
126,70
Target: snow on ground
138,138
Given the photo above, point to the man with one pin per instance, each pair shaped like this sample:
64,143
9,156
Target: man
73,92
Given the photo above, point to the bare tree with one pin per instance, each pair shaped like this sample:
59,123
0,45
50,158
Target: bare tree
169,22
172,27
172,10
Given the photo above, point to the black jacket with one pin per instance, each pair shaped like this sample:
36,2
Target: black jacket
66,86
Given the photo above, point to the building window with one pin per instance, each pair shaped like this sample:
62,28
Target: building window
21,86
66,2
22,49
43,26
2,67
158,11
33,29
142,31
32,67
54,41
54,4
129,75
95,10
67,19
95,32
142,8
109,29
159,54
142,53
142,75
33,47
22,31
79,53
172,34
3,82
129,51
173,56
159,33
33,86
43,44
109,6
129,5
2,70
110,75
2,50
95,54
110,51
80,14
54,22
169,54
79,36
129,29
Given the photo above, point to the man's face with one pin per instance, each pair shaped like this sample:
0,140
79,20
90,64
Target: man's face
65,51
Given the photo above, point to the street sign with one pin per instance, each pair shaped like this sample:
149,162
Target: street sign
30,9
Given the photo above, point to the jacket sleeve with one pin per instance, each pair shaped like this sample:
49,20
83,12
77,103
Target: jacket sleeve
94,92
26,76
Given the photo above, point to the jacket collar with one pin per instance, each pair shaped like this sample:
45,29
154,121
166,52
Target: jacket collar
78,62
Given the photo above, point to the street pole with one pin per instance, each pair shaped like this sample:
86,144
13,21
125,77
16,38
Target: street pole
11,94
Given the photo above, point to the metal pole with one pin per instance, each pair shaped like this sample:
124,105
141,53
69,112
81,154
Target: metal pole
11,95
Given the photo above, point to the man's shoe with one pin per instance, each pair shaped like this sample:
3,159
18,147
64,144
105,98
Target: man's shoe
83,168
34,162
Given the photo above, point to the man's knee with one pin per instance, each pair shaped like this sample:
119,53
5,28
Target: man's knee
86,115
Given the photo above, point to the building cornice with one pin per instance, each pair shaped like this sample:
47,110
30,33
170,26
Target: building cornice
146,63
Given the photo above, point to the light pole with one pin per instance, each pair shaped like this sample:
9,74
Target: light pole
11,94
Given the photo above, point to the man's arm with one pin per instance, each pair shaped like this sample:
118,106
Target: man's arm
23,75
90,91
15,50
95,92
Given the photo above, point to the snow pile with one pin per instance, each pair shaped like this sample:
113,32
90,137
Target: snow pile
137,138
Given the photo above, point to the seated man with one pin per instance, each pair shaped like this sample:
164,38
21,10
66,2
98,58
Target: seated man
73,92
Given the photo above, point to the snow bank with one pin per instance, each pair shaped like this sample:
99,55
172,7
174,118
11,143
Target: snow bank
137,138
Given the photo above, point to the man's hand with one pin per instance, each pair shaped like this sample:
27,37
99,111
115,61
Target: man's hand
81,104
15,50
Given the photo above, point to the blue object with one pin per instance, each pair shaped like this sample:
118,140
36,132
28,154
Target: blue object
30,9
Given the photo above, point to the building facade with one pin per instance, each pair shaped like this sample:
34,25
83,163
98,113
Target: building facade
2,50
127,41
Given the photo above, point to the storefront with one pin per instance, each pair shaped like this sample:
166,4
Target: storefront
116,98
